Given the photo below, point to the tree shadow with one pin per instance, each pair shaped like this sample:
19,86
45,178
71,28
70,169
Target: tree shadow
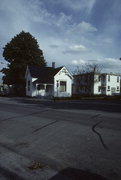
99,105
76,174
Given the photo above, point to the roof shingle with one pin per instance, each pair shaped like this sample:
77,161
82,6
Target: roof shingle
44,74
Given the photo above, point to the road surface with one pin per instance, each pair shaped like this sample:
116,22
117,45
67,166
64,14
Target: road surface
43,139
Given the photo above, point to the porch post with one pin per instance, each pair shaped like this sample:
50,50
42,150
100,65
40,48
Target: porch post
45,86
57,87
36,89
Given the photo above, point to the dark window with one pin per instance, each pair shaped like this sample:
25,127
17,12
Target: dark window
62,86
99,88
99,78
39,87
117,78
108,88
108,78
29,85
117,88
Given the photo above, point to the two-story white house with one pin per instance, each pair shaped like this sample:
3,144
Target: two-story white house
97,83
48,81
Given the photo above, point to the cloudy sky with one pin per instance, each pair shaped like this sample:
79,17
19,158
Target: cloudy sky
70,32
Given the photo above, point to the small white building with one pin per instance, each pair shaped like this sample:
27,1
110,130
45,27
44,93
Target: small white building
97,83
48,81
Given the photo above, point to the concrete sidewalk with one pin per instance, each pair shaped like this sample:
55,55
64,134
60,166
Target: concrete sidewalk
18,167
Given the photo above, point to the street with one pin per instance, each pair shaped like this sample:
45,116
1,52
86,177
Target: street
53,140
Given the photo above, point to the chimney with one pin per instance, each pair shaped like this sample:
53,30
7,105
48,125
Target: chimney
53,64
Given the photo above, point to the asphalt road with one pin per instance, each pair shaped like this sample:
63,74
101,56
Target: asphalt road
42,139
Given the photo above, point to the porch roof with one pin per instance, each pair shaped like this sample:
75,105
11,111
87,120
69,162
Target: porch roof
44,81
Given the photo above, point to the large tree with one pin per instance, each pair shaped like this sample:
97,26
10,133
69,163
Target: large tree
21,51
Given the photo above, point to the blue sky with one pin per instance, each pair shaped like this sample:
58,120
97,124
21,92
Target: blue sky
70,32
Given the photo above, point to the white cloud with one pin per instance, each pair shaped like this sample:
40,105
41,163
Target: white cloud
63,20
76,49
78,5
39,14
111,60
107,64
83,27
78,62
112,65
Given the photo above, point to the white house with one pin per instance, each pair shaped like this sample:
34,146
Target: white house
48,81
97,83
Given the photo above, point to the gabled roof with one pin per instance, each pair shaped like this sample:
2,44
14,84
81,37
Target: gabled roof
44,74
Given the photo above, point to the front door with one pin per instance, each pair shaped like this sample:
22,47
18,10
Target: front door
113,90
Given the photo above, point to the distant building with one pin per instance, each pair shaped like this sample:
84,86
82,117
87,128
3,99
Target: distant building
1,88
97,83
48,81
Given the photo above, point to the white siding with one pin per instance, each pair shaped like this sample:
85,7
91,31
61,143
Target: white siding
97,84
28,78
110,86
63,75
33,88
113,84
101,84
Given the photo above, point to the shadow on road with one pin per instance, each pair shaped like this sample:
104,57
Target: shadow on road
76,174
98,105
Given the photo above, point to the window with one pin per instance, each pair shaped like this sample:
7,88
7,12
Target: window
108,78
117,88
62,86
99,88
39,87
108,88
117,78
48,88
99,78
29,85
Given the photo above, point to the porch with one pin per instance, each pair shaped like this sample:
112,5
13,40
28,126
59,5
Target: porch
43,90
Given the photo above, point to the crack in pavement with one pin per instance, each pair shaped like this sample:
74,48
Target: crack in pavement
44,126
95,116
99,135
25,115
